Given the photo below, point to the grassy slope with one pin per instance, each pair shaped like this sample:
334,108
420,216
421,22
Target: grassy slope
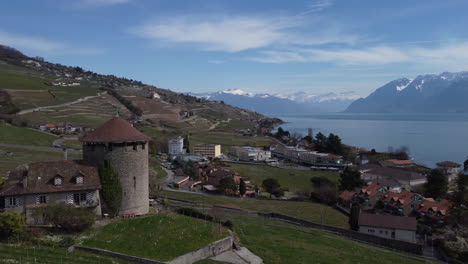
228,140
24,136
27,155
276,242
162,237
294,180
31,254
313,212
31,99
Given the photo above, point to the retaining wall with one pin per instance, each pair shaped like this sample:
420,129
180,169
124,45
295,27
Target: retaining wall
380,241
211,250
118,255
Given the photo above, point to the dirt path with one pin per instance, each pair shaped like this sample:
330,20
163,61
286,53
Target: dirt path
22,112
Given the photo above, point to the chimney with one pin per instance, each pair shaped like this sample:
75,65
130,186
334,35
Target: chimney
65,154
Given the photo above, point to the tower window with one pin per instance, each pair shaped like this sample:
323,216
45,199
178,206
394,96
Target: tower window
79,180
106,164
135,146
143,146
134,182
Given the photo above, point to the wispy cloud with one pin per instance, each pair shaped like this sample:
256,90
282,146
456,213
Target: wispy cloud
216,61
43,46
453,56
235,33
95,3
29,43
316,6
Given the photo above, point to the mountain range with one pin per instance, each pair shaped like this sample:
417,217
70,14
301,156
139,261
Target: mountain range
436,93
274,104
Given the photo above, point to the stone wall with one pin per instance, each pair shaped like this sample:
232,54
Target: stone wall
131,164
118,255
210,250
361,237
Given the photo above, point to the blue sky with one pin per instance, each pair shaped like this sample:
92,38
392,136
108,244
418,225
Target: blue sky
315,46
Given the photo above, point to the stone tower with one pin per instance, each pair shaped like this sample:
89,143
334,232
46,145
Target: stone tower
117,144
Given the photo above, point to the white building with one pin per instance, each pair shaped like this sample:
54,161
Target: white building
155,95
176,146
389,226
314,158
250,154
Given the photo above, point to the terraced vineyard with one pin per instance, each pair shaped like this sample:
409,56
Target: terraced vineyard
39,254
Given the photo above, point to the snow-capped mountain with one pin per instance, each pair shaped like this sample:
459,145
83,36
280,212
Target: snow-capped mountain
273,104
445,92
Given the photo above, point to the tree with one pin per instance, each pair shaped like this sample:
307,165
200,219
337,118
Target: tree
65,217
272,186
11,224
186,144
326,194
242,187
465,165
437,184
350,178
354,216
111,190
461,194
227,183
320,142
334,145
321,181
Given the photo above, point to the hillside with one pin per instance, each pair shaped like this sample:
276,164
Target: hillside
441,93
42,92
279,104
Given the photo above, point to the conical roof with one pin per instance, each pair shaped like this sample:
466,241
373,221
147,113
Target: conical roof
115,130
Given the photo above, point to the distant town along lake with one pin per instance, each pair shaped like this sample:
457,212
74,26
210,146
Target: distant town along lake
430,137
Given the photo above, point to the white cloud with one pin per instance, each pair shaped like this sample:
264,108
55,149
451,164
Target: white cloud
316,6
29,43
452,57
375,55
216,61
43,46
236,33
90,3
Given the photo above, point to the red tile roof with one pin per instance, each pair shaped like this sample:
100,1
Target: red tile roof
434,209
388,221
49,125
38,177
398,200
448,164
369,191
401,162
115,130
346,195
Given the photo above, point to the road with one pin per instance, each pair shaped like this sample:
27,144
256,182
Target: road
22,112
58,143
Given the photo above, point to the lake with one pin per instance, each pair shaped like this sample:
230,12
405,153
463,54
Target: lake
430,137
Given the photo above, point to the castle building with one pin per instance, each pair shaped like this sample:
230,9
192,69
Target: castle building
118,145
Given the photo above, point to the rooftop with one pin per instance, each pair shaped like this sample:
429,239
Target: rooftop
38,177
448,164
115,130
388,221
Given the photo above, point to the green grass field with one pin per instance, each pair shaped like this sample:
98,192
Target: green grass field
23,155
40,94
278,242
24,136
227,140
162,237
294,180
309,211
38,254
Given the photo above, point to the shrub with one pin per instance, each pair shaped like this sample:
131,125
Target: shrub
66,217
111,190
228,224
196,214
11,224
